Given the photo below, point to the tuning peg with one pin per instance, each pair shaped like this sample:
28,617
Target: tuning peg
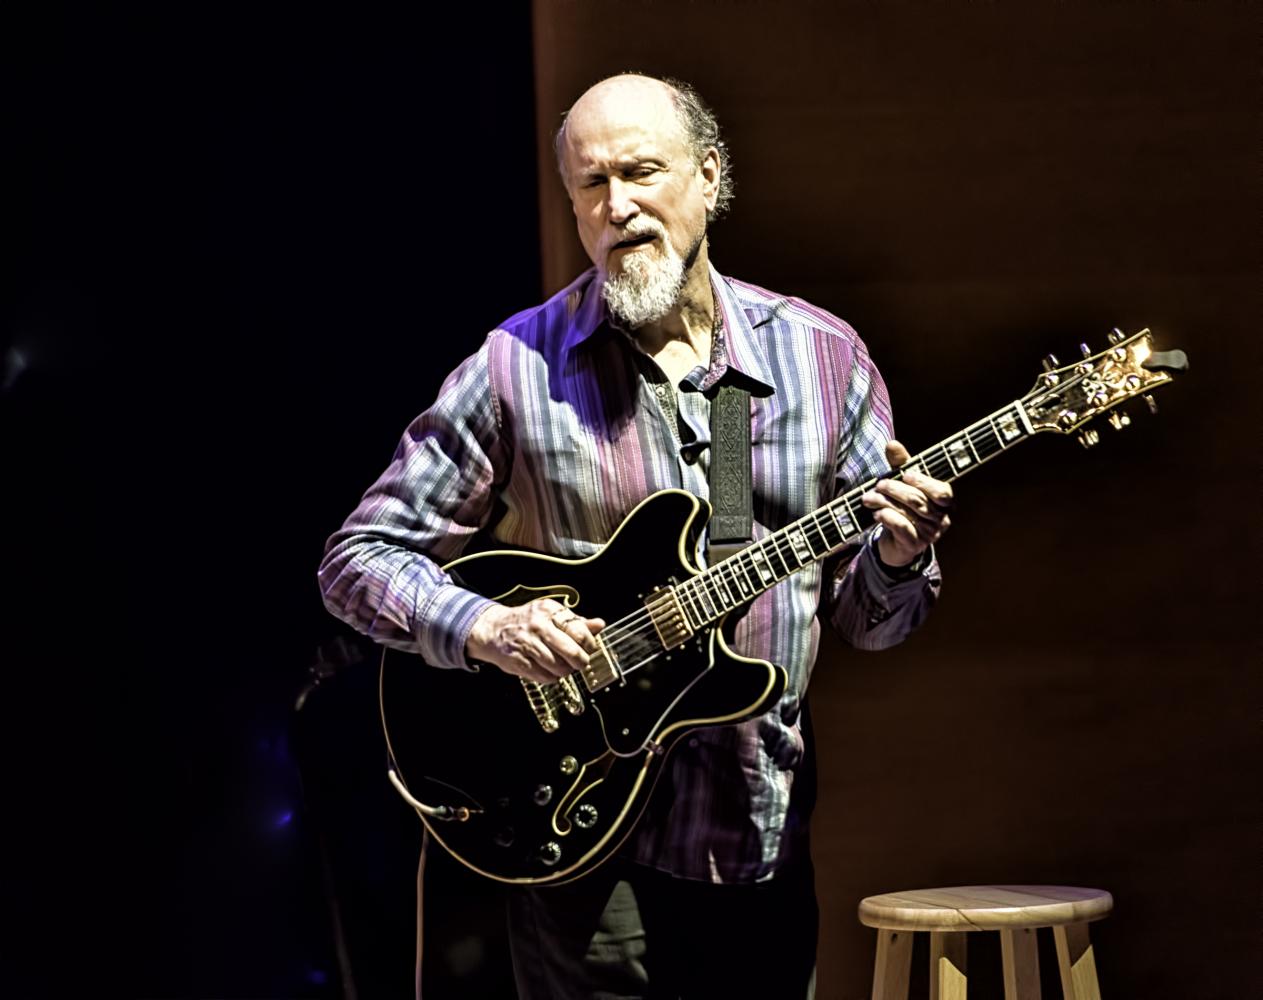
1051,362
1089,437
1119,420
1085,350
1153,403
1116,335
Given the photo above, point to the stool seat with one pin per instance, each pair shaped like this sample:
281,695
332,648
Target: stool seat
1016,911
985,907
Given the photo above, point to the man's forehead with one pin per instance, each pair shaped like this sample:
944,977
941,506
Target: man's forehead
619,147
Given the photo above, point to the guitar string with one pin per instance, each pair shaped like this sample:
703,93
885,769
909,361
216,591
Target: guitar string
726,573
640,624
703,589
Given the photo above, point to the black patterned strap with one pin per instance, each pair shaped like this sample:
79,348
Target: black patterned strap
731,495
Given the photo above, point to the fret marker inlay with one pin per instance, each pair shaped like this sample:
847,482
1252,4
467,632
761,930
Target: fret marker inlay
960,454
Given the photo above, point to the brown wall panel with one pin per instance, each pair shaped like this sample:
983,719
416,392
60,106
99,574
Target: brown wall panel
972,186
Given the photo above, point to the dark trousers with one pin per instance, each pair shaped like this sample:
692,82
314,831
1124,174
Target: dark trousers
625,931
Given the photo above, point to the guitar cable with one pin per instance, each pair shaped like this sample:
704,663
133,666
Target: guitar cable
446,813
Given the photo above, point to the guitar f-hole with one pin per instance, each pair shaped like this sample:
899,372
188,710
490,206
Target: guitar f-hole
599,768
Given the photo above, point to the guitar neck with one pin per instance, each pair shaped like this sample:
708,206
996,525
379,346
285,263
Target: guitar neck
739,579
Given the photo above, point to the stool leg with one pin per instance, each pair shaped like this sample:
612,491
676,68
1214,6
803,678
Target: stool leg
1077,963
947,966
894,962
1021,964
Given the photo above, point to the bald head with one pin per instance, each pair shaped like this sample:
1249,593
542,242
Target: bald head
619,105
671,108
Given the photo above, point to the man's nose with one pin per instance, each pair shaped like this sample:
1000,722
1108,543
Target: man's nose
622,205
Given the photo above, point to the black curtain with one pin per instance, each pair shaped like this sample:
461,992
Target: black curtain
250,242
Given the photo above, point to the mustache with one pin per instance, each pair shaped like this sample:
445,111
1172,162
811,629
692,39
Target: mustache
634,229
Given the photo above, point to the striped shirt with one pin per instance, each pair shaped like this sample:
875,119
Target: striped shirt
552,433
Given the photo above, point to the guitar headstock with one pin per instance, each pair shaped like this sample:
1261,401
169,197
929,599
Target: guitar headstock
1066,397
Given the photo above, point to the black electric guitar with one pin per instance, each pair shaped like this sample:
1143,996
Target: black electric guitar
540,783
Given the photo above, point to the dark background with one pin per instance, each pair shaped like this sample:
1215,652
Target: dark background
247,245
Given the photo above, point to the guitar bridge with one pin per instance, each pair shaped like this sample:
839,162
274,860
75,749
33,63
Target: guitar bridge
541,704
546,699
571,698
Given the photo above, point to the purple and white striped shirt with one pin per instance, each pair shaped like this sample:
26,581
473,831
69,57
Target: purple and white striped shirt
552,433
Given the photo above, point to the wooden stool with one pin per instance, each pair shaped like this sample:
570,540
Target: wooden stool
1016,911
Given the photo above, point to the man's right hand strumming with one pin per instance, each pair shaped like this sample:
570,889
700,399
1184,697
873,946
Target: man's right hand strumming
540,641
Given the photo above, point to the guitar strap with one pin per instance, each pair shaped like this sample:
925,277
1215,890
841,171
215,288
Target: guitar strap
731,494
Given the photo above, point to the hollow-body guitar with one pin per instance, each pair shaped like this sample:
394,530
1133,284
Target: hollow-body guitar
540,783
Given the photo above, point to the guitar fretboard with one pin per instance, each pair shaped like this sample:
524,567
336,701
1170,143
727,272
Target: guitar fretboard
741,578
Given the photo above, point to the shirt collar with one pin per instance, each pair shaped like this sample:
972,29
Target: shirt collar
745,355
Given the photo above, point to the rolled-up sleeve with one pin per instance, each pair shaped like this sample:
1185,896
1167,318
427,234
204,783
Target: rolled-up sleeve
381,570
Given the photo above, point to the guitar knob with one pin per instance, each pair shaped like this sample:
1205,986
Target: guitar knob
585,816
543,795
1115,335
569,765
1151,403
550,853
1089,437
1085,350
1119,420
1051,362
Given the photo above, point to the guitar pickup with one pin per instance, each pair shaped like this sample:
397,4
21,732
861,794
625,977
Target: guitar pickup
668,619
602,669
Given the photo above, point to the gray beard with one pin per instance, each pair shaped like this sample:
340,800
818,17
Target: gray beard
646,289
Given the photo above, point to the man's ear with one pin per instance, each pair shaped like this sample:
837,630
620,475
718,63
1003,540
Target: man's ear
710,178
